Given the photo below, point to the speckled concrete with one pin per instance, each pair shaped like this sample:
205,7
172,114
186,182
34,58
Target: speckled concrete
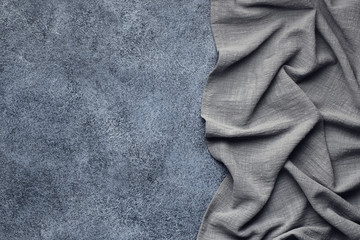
101,135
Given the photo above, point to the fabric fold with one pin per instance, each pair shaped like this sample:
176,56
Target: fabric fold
282,112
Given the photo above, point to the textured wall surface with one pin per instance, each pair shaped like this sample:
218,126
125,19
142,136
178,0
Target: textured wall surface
101,135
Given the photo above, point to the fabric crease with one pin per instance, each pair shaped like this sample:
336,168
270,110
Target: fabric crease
282,112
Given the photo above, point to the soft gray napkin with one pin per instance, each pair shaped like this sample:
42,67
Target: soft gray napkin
282,111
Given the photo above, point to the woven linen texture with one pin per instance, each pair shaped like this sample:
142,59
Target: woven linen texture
282,111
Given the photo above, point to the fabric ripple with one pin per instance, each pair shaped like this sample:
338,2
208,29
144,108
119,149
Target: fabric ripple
282,112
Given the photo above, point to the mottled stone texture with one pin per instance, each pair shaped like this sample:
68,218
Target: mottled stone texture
101,135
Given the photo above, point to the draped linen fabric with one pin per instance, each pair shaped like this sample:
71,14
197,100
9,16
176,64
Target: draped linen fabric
282,112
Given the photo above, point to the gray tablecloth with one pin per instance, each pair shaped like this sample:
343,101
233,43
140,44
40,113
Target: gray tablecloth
282,113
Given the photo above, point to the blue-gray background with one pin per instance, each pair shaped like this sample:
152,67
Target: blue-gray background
101,135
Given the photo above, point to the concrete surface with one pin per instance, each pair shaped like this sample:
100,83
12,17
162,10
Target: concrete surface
101,135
